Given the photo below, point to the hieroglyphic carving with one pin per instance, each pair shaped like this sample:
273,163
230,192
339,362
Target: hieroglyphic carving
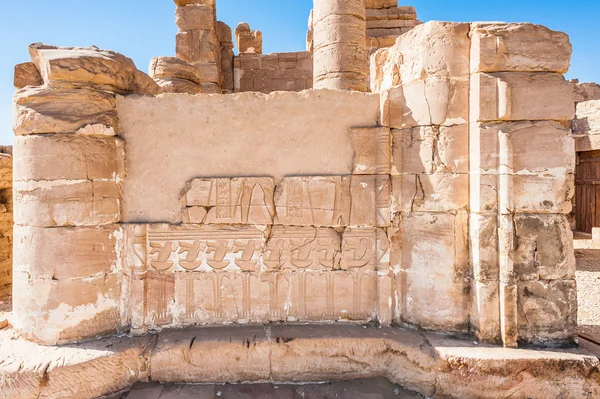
247,200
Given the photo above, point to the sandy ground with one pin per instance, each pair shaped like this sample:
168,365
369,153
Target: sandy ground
587,255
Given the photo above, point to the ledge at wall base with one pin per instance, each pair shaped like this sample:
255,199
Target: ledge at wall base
433,365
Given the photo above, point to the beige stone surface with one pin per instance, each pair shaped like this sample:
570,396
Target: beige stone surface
586,91
81,158
520,96
518,48
320,145
174,68
431,255
587,118
372,150
103,69
430,149
434,101
42,110
380,3
26,74
196,17
402,12
443,192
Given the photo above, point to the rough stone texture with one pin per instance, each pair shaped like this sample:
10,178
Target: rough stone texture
432,365
249,120
273,72
518,48
248,41
26,74
587,119
43,110
103,69
586,91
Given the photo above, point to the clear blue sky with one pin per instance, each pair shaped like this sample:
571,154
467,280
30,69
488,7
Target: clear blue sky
142,29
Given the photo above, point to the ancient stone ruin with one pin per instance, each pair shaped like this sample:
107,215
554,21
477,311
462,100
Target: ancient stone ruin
241,217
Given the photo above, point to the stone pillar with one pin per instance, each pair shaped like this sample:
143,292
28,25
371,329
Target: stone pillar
227,56
522,162
197,41
340,45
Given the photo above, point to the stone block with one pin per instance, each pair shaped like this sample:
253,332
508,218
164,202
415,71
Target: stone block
518,48
586,91
248,41
443,192
55,312
485,311
26,74
483,240
403,12
431,149
180,86
230,201
381,3
224,32
174,68
543,247
102,69
66,203
196,17
42,110
67,253
547,312
372,150
587,118
550,193
431,253
508,96
68,157
197,46
348,29
434,101
538,147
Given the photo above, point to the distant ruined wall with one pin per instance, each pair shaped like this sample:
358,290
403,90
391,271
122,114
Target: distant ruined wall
265,73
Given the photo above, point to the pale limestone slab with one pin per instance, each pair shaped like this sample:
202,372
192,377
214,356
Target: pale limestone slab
518,47
320,145
431,149
514,96
443,192
372,150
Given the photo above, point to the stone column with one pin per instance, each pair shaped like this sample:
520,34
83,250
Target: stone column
340,45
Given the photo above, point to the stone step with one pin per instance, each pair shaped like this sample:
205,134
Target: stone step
378,388
430,364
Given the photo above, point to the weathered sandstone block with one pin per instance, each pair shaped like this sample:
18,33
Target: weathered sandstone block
197,46
547,311
248,41
103,69
543,248
587,119
521,141
520,96
67,203
195,2
431,253
440,49
174,68
68,157
586,91
430,192
518,48
196,17
380,3
434,101
66,284
224,33
41,110
431,149
26,74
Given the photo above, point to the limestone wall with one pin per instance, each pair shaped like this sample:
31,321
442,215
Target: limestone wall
265,73
483,152
439,201
586,126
